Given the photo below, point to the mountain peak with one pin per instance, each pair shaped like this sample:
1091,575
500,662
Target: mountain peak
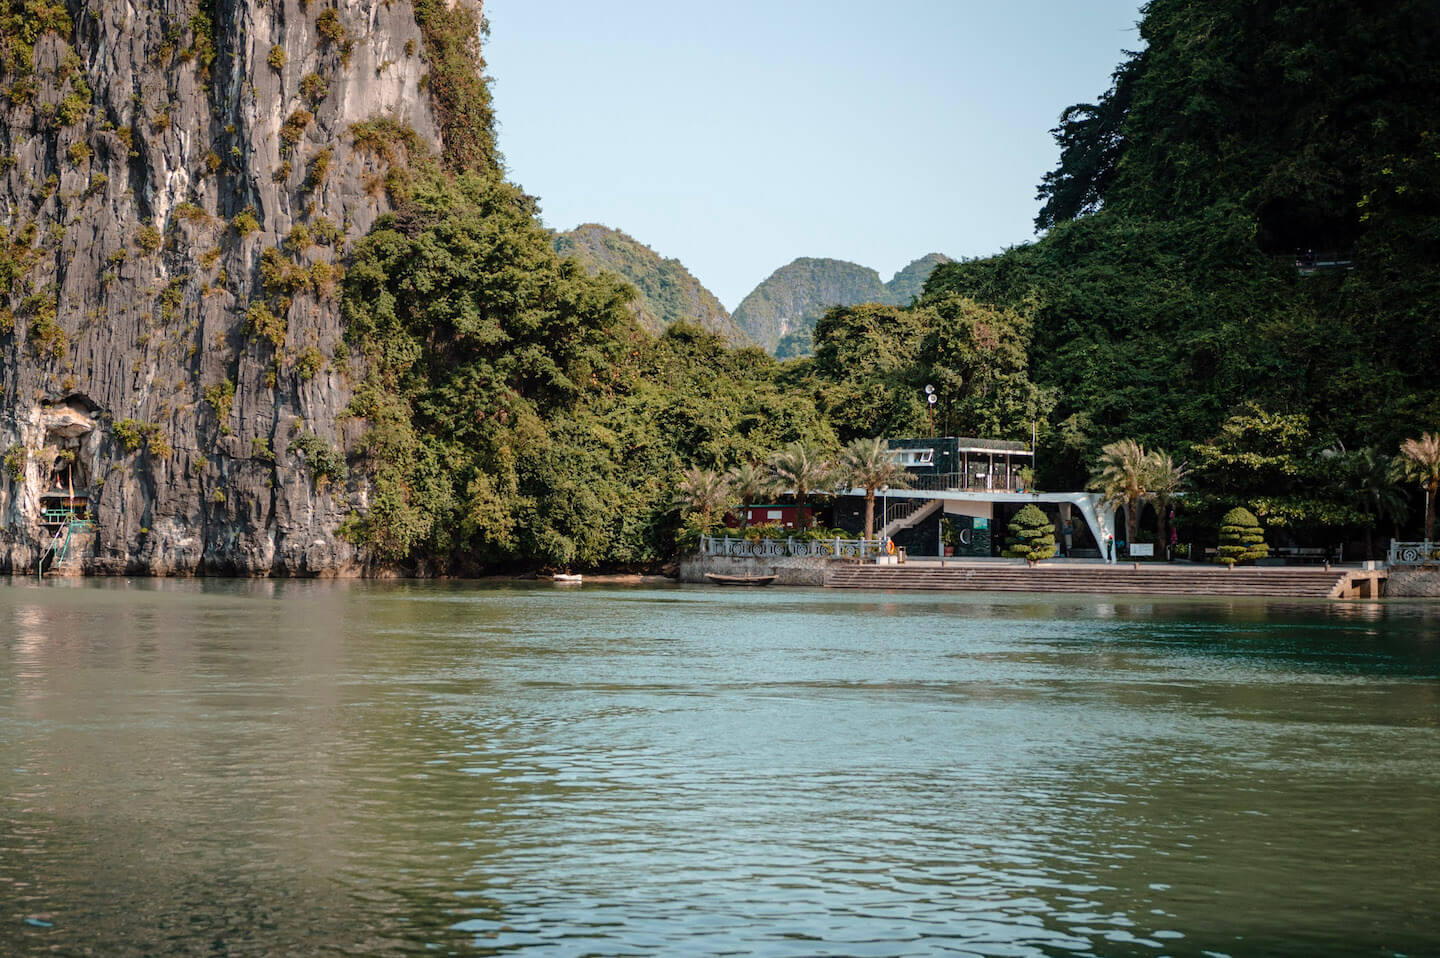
666,291
786,305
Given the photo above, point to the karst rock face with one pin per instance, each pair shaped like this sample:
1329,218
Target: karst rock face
181,180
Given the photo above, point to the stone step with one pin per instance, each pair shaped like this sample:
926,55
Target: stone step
1169,580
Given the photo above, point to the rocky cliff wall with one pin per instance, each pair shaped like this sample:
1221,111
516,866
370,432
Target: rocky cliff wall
181,179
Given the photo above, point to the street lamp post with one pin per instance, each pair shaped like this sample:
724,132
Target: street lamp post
884,509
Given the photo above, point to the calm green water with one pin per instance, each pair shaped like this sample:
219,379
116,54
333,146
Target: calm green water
220,767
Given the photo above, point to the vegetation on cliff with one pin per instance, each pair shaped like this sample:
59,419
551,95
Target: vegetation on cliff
1248,218
515,410
1237,266
518,412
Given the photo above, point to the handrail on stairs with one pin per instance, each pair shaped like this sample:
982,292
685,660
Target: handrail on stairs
57,545
913,512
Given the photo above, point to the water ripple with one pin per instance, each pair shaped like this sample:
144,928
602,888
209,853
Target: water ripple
333,768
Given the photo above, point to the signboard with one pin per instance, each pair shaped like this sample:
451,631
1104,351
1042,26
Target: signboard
970,536
1142,549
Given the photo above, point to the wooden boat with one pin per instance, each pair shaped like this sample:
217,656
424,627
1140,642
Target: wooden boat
719,579
564,578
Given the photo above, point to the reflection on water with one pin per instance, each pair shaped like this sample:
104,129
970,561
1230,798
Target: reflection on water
366,768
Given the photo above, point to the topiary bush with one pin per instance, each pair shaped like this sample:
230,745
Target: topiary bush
1241,538
1032,536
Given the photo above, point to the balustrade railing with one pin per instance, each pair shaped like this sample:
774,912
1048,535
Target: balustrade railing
961,482
836,548
1413,553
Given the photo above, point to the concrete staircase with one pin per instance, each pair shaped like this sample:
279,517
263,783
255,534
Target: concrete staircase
1094,578
914,515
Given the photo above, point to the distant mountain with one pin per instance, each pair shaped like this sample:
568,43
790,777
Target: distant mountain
909,283
667,290
780,313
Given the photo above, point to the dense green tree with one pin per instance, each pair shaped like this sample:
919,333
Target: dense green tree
1091,138
1272,463
514,412
867,369
977,357
1166,289
872,363
1372,488
472,331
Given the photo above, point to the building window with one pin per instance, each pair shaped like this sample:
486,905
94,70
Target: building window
914,457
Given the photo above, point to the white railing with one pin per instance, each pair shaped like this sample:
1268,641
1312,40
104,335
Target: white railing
1413,553
904,508
915,511
776,548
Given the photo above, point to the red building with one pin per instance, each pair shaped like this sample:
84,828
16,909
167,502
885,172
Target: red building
786,516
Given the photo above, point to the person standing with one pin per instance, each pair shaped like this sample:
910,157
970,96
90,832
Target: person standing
1067,533
1109,547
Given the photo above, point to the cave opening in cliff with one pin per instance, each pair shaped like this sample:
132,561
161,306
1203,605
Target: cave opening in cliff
65,464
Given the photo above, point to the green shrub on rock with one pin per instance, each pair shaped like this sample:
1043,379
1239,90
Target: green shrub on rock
1241,538
1032,536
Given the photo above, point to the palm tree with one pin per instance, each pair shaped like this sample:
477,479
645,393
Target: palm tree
751,482
1419,461
703,492
1121,479
800,467
1163,480
868,464
1372,490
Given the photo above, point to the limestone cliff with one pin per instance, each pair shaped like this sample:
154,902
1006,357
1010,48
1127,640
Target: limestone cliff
181,179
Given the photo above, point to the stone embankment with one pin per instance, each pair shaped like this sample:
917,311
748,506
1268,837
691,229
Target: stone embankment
1414,582
1176,580
789,570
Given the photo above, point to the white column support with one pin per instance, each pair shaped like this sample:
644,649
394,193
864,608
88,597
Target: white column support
1099,517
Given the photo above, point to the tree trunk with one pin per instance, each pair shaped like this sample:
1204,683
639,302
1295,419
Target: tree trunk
869,513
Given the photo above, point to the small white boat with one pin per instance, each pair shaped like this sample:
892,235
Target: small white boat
566,578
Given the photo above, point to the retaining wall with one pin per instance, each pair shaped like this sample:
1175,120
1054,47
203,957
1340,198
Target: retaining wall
790,570
1414,582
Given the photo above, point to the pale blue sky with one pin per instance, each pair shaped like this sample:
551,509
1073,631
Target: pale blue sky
737,136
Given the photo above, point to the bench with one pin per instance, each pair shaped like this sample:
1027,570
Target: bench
1297,555
1284,555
